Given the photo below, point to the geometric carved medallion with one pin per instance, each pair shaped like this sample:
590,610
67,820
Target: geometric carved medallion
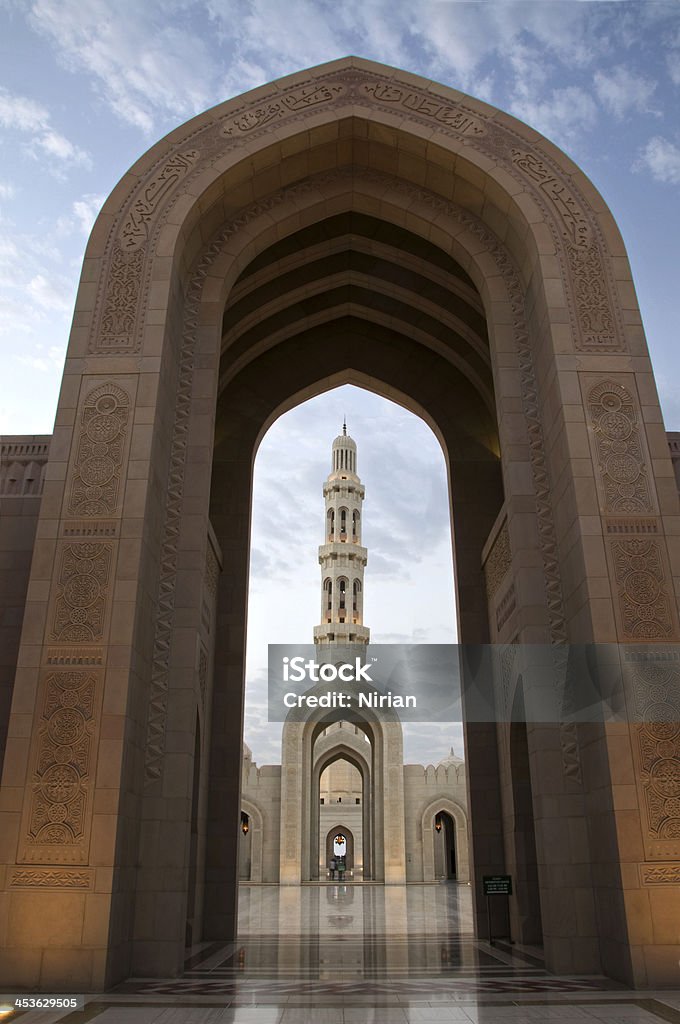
96,478
63,764
653,678
81,598
619,449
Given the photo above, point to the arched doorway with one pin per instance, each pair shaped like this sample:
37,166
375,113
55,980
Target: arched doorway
344,785
373,744
445,866
354,224
445,841
339,845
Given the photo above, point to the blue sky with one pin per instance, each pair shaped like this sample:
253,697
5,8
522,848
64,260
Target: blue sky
87,85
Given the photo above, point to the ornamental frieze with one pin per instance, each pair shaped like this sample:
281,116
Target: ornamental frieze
63,766
454,116
151,196
303,99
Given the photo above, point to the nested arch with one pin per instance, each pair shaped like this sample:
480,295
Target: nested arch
445,804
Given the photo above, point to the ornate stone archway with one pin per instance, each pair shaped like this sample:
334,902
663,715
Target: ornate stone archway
537,381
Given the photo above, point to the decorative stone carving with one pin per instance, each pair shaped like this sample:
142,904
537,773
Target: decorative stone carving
293,102
580,252
642,525
643,600
212,571
63,763
498,562
153,193
75,656
597,328
620,455
653,678
80,603
121,304
660,874
506,606
46,878
430,106
99,452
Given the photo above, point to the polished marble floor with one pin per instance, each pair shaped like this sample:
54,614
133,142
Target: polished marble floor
354,953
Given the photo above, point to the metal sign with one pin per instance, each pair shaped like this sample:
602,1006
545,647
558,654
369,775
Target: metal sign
497,885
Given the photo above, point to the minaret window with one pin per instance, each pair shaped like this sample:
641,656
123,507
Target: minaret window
343,524
331,523
355,595
342,585
356,518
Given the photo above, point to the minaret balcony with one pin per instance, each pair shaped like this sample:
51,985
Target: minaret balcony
341,633
344,549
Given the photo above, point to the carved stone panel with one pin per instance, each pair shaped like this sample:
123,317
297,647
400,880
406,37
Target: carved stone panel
100,448
644,603
618,447
498,562
596,327
653,695
80,603
63,760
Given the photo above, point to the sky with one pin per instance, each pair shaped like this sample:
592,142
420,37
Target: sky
87,85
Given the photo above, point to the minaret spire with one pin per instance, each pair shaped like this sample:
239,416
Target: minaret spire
341,557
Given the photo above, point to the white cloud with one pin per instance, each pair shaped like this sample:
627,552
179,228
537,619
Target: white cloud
621,91
51,294
24,115
86,210
7,190
46,361
662,158
147,60
563,116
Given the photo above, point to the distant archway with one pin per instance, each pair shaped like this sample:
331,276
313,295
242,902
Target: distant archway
438,861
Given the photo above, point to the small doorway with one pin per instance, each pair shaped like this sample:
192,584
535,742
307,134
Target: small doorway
445,864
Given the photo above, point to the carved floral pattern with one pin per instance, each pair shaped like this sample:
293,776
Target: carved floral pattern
81,597
498,562
655,685
643,601
99,453
62,769
593,301
619,449
121,304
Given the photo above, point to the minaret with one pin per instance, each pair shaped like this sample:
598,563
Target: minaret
342,558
